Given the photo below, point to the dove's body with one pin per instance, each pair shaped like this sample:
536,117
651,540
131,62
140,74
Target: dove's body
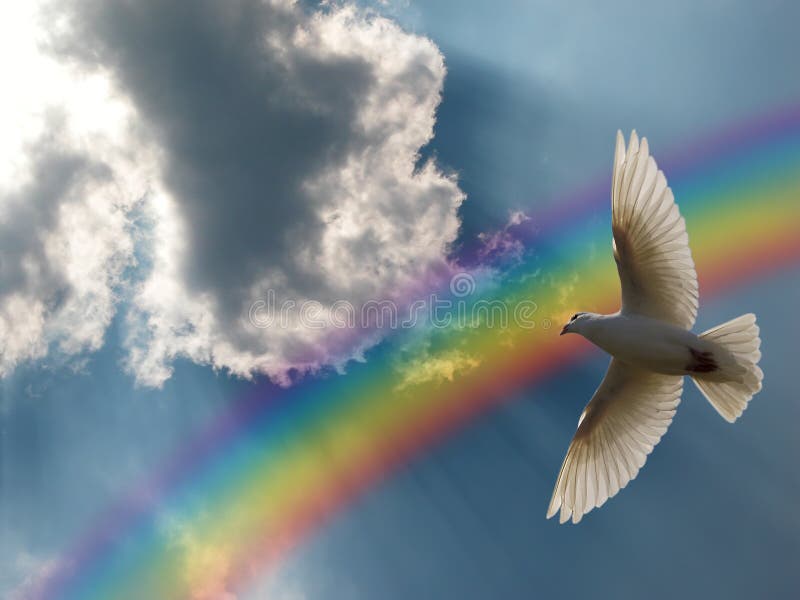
647,343
651,342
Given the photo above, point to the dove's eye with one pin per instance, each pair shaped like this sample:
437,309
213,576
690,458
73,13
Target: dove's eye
575,316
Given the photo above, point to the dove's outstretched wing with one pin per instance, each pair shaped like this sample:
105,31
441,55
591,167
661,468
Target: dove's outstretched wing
651,247
624,420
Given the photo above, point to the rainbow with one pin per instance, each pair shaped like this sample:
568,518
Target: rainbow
280,463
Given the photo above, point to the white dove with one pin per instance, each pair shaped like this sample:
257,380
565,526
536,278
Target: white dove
650,341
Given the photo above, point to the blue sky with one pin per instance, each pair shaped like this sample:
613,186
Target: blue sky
533,94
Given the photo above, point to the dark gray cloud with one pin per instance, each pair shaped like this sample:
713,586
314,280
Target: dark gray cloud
287,146
242,126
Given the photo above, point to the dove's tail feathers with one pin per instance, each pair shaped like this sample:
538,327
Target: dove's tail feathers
739,377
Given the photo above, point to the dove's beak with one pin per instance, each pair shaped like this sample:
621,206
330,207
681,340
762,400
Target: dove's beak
564,329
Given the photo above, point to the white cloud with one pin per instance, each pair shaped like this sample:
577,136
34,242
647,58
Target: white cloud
504,243
29,571
288,145
204,568
434,367
264,147
64,237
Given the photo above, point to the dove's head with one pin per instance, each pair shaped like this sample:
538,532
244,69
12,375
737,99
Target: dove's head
577,323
